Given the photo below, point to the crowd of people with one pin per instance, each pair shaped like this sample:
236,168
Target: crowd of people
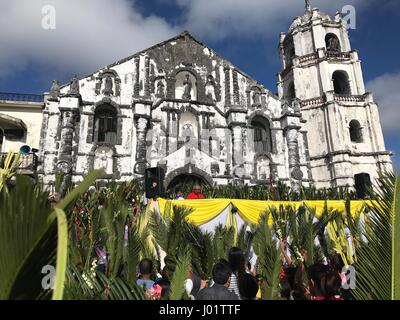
235,279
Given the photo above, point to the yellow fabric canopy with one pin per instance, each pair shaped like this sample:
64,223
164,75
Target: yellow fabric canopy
251,210
340,205
204,210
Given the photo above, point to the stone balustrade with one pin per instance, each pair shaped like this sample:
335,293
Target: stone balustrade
312,102
28,163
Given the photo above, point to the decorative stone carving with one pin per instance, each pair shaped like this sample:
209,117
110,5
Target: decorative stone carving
63,167
109,81
157,143
256,98
297,174
263,168
187,85
223,149
214,168
108,86
103,159
160,92
293,150
55,90
333,44
74,86
210,89
308,5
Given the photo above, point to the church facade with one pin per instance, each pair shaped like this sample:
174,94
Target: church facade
180,106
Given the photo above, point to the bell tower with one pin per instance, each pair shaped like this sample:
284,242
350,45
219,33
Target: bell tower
322,76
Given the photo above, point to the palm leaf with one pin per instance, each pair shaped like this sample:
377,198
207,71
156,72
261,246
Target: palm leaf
62,254
179,276
396,242
374,259
25,236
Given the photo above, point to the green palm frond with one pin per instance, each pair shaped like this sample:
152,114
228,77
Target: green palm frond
269,258
180,274
8,167
375,262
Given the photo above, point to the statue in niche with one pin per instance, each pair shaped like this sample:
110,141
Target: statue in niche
187,84
263,169
210,88
188,133
244,141
74,86
160,93
222,149
156,144
108,86
333,44
214,168
103,160
256,98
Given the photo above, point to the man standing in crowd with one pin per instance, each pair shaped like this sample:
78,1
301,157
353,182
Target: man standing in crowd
219,291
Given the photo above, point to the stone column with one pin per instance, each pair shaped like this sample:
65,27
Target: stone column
294,158
147,77
228,101
67,134
136,87
237,145
141,143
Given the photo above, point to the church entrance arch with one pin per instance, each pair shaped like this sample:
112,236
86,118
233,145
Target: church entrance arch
187,176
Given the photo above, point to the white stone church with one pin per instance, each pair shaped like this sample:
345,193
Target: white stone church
181,106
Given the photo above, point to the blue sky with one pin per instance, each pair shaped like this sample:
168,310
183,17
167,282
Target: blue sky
90,34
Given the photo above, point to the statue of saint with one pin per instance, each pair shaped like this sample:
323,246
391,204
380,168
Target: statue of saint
55,89
256,98
263,169
108,86
104,160
333,44
210,88
187,84
160,89
74,86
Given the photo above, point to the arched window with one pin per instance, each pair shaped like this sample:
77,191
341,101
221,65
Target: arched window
262,135
105,128
1,139
355,131
332,43
341,84
289,52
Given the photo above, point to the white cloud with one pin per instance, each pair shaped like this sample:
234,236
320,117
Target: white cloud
89,34
217,19
385,89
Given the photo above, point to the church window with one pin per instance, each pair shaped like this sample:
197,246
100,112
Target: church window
105,129
355,131
341,84
262,135
332,43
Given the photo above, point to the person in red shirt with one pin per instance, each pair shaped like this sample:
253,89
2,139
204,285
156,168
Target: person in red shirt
196,194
